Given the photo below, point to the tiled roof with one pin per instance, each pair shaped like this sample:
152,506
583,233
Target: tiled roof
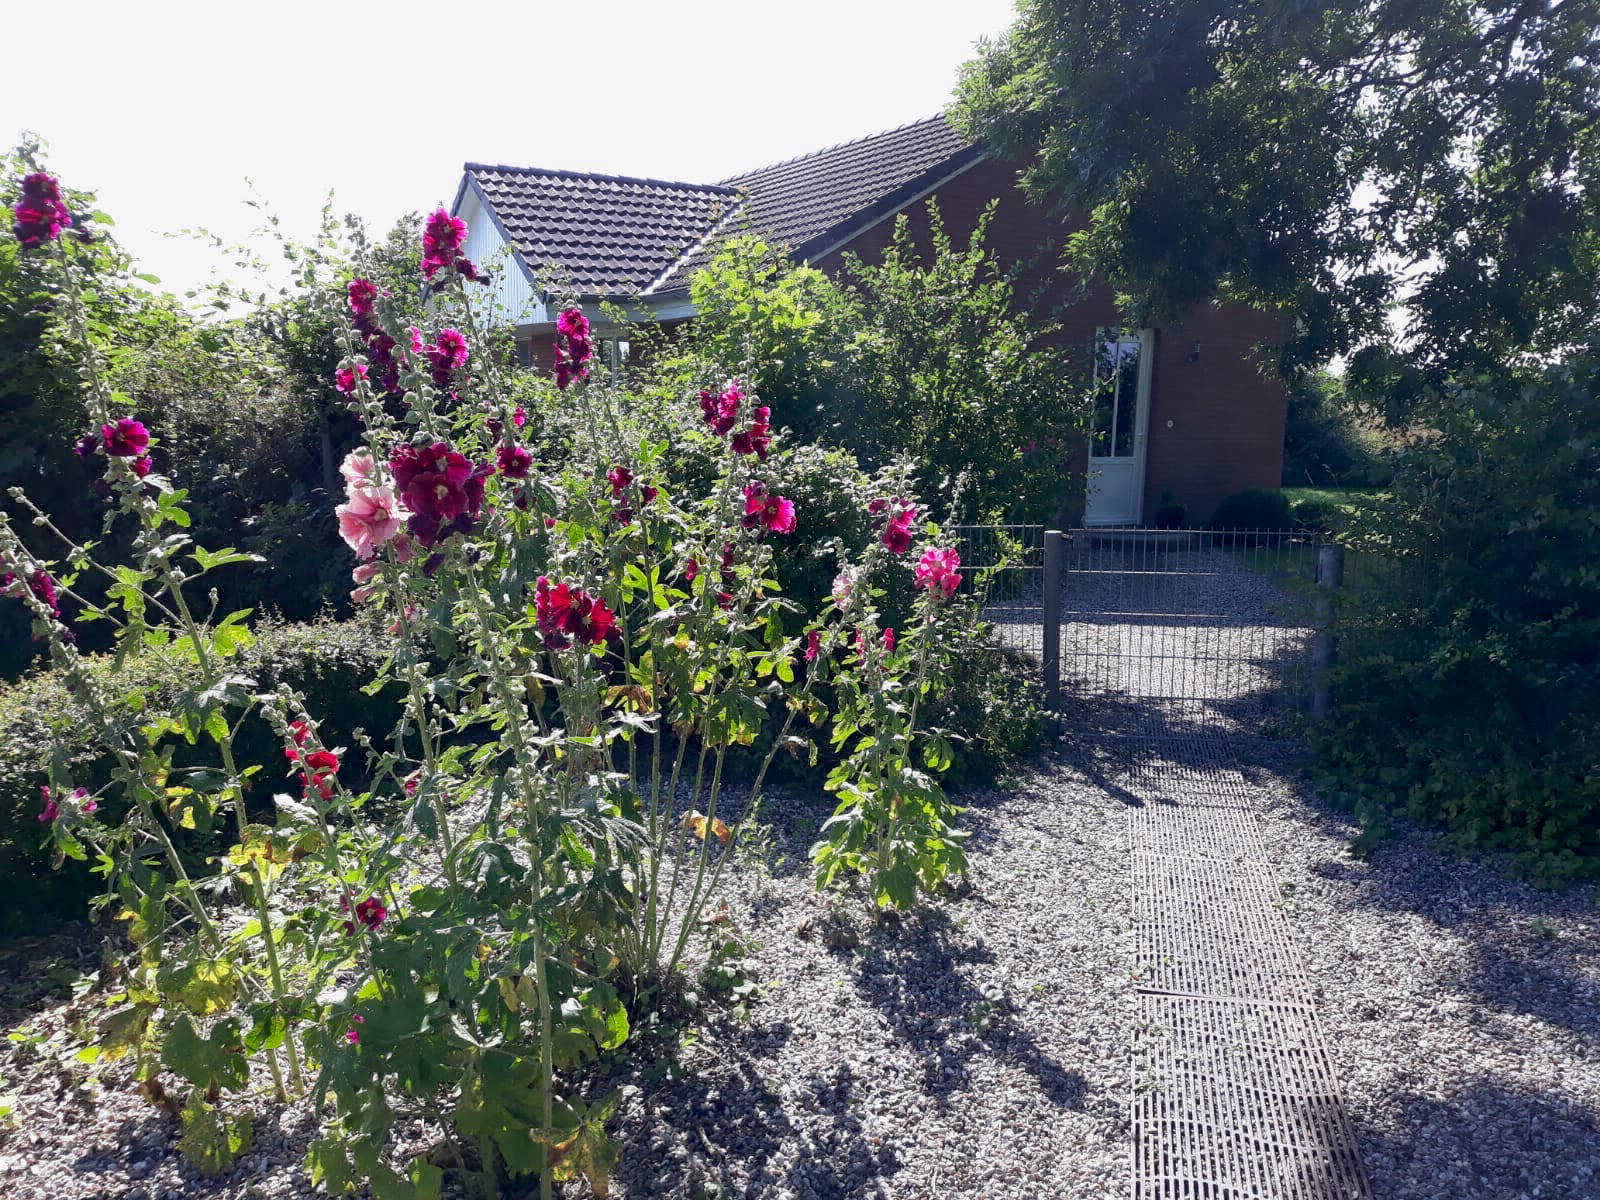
602,234
618,236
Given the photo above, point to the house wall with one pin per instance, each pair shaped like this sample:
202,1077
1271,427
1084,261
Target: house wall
510,296
1226,415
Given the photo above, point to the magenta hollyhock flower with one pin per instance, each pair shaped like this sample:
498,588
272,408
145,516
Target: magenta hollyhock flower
442,237
775,513
52,810
353,1035
468,269
938,571
571,322
813,645
721,411
87,804
40,584
346,378
40,214
619,478
442,489
567,614
514,461
446,355
897,533
573,347
127,438
370,913
888,638
416,339
141,466
690,570
363,295
86,445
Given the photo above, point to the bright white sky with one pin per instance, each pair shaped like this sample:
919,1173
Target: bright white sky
166,108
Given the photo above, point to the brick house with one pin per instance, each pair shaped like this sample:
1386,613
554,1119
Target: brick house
1185,408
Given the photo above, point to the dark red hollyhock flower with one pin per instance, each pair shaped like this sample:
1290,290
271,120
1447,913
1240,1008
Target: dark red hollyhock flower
363,295
299,731
40,214
322,772
40,584
888,638
128,438
690,570
468,269
757,439
720,412
447,354
877,506
567,614
370,913
619,478
514,461
87,445
441,487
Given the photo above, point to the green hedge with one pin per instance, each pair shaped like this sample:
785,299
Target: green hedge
328,661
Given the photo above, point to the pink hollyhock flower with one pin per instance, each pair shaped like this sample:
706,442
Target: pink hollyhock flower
364,574
549,522
51,809
353,1035
87,804
468,269
358,468
346,378
897,534
363,294
888,638
938,571
40,214
127,438
412,780
813,645
761,507
844,583
416,339
520,417
514,461
567,614
369,518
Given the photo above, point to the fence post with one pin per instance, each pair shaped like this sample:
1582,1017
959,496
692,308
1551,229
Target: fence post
1330,575
1051,617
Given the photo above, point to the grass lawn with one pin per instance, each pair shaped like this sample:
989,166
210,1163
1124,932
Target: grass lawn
1340,497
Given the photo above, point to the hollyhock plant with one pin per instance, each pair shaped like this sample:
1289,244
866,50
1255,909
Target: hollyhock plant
721,411
321,772
369,517
126,438
442,239
41,214
938,571
446,355
573,347
813,645
362,295
757,439
52,810
40,584
897,533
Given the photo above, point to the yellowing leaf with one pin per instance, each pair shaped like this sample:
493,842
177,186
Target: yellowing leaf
695,823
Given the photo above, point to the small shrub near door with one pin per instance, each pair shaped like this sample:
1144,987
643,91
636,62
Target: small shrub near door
1254,508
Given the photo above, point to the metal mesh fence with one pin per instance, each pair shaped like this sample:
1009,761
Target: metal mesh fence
1005,564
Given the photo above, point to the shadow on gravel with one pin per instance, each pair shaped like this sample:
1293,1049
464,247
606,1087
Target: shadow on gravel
1492,1135
910,975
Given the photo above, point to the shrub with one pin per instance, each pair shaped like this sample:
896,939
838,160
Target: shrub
1169,513
1253,509
1315,515
1468,688
40,717
1328,440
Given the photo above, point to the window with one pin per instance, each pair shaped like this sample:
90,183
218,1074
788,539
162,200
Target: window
1116,393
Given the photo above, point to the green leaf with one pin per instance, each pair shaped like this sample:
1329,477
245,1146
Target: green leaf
212,1139
214,1061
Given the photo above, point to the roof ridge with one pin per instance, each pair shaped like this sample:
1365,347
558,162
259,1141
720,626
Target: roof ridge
600,177
866,137
703,240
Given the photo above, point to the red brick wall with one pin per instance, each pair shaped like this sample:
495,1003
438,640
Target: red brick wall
1226,414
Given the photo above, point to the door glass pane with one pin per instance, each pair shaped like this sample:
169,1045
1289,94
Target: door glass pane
1116,396
1127,397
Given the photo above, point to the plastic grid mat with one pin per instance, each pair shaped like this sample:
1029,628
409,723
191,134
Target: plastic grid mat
1238,1100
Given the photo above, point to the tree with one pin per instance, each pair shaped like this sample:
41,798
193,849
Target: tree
1329,159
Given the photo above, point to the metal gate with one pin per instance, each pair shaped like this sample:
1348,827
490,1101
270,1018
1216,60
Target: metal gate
1208,628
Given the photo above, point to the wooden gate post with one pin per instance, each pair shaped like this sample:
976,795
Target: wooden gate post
1051,617
1330,575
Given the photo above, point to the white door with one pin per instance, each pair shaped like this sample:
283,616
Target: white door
1120,426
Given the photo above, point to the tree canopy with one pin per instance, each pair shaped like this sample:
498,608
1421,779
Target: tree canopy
1334,160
